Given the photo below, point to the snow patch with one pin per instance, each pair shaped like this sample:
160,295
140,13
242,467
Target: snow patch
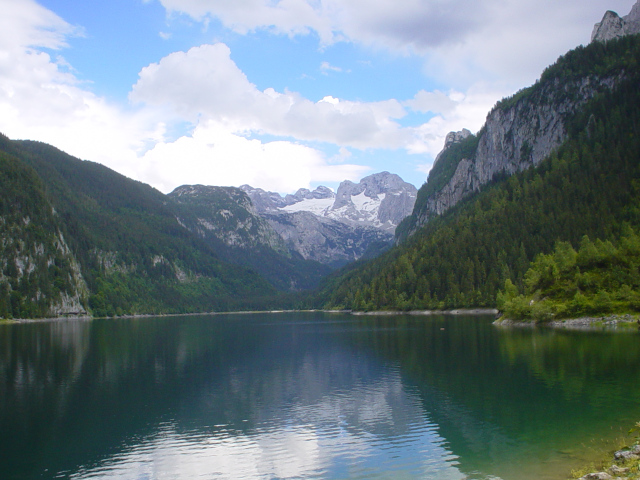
317,206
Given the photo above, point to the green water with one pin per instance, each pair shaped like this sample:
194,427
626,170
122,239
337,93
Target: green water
309,395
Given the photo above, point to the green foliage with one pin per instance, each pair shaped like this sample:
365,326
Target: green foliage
598,279
446,165
590,186
439,176
35,269
132,254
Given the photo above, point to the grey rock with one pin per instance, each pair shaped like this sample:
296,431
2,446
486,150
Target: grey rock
262,200
361,216
516,135
616,470
613,26
384,201
380,200
325,240
597,476
632,453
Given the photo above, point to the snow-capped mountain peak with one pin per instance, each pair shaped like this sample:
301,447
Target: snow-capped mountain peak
380,200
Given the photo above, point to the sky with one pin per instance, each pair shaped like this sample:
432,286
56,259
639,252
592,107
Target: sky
277,94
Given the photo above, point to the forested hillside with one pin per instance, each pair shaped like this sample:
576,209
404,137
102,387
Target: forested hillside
90,240
588,186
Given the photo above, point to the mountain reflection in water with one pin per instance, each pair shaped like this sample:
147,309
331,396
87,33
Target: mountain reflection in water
307,395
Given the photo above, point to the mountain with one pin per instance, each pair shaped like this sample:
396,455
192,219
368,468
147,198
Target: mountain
519,133
80,238
38,273
225,218
338,228
556,161
380,200
613,26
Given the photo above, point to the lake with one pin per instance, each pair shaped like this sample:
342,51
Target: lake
310,396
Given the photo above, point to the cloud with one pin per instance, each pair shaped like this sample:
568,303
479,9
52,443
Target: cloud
25,24
40,99
326,67
205,83
213,155
460,39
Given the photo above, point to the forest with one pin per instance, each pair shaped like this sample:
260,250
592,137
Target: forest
589,186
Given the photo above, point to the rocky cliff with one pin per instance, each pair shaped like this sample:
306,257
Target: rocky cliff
337,228
325,240
39,274
227,214
519,132
380,200
613,26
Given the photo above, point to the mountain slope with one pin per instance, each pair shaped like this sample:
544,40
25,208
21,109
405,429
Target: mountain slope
123,241
521,130
337,228
462,255
226,220
38,273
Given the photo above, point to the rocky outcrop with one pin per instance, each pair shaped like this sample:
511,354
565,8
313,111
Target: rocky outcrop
325,240
518,133
337,228
380,200
226,213
613,26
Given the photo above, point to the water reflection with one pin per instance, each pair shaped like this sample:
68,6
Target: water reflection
306,396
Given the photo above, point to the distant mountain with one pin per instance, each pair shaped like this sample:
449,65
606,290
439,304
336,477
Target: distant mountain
555,162
380,200
227,221
337,228
77,238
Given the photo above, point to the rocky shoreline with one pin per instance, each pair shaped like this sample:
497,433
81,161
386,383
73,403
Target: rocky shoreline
623,466
583,323
460,311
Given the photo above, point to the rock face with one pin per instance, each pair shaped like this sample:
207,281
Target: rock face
325,240
227,214
519,132
613,26
515,137
380,200
337,228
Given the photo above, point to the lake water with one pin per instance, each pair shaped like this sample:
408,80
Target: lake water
309,396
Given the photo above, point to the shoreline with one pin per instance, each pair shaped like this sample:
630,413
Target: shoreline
604,322
457,311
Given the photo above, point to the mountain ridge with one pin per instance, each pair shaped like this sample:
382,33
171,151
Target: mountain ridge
460,252
520,131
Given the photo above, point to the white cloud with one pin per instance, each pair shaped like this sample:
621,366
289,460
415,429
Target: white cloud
41,100
511,39
326,67
464,43
205,83
213,155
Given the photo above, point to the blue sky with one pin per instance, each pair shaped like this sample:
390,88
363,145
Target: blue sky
278,94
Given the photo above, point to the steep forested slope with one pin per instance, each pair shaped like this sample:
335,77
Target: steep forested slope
38,274
589,186
122,236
